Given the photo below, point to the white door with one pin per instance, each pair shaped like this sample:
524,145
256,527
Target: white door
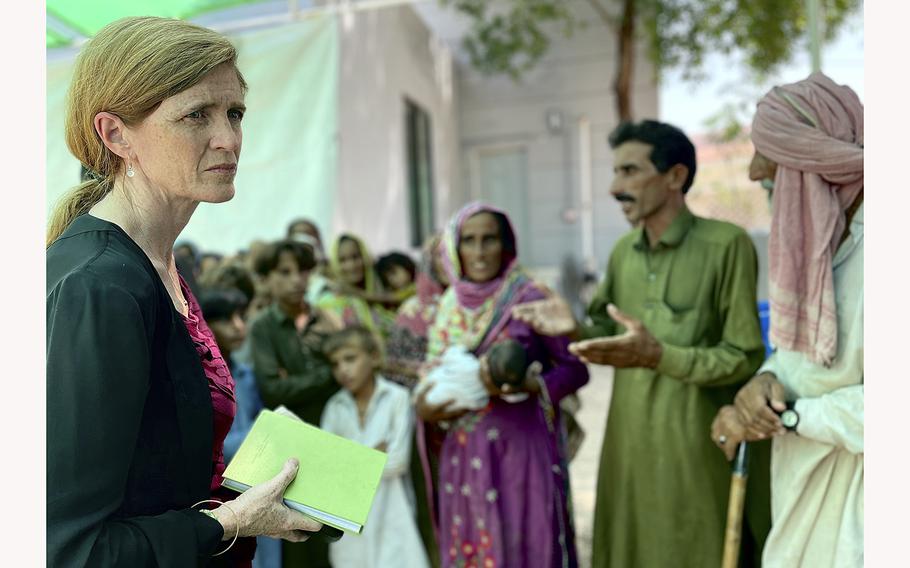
501,179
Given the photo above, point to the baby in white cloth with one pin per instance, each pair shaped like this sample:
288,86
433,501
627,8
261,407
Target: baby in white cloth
458,376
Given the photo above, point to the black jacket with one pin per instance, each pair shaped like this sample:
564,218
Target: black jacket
129,414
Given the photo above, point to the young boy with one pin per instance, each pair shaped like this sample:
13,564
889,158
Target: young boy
286,348
377,413
286,338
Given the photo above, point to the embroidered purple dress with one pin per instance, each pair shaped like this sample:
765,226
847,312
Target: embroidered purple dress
503,486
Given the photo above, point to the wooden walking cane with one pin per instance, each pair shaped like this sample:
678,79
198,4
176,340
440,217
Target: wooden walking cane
734,533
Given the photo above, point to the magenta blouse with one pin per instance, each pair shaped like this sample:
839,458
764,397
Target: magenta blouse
224,407
218,374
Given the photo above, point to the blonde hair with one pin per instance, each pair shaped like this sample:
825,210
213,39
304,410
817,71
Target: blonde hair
128,69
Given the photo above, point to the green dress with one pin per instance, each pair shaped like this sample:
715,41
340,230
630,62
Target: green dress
352,309
662,484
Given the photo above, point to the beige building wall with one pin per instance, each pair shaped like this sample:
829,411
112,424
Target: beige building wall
539,118
388,55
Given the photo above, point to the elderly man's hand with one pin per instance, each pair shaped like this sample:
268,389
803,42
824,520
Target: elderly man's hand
756,404
637,347
727,430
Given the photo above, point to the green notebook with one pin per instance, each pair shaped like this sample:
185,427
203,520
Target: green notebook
337,478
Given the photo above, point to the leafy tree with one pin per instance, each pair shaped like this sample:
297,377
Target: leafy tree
511,36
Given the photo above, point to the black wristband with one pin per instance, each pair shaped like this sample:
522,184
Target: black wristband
789,417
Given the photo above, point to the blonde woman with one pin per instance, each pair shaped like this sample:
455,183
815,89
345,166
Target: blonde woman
139,398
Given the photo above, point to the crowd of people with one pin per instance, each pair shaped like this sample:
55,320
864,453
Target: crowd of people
457,365
331,334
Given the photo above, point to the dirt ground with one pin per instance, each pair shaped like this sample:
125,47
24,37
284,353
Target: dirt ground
595,401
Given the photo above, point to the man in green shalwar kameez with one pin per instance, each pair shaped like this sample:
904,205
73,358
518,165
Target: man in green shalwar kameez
676,317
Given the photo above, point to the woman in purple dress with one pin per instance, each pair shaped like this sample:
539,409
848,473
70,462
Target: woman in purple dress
502,489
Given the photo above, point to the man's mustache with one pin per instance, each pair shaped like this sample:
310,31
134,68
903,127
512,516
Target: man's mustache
624,197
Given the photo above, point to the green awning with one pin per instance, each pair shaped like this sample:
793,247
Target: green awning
54,39
86,17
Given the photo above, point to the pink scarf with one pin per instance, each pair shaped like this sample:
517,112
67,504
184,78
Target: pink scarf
472,294
813,130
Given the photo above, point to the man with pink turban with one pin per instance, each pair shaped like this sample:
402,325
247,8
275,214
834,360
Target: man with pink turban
808,396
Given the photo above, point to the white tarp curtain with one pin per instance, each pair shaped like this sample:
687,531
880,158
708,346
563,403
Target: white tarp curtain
288,162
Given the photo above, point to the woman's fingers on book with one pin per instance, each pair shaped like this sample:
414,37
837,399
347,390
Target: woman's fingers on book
300,522
295,536
285,476
288,521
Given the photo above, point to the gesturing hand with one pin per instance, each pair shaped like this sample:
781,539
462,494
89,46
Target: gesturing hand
261,511
550,316
634,348
756,404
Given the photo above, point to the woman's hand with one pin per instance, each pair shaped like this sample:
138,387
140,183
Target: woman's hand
261,511
551,316
435,413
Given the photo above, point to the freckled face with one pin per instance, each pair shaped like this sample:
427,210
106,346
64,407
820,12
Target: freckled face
189,146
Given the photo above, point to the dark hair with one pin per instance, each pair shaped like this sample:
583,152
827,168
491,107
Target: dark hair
302,221
219,304
386,262
349,238
232,275
356,333
670,146
505,235
217,256
266,261
190,249
508,363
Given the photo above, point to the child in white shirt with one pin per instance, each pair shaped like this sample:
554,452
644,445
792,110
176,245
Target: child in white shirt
377,413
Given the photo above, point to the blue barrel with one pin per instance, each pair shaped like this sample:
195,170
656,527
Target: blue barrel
764,317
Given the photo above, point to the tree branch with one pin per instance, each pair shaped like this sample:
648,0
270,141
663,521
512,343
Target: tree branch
605,16
622,85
